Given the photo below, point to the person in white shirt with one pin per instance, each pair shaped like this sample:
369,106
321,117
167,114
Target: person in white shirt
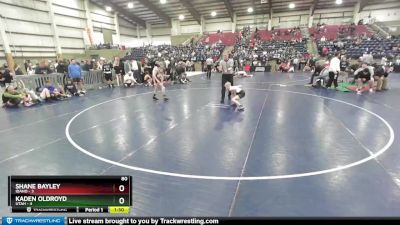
237,93
129,79
188,65
209,63
167,62
135,70
334,69
295,63
368,58
383,61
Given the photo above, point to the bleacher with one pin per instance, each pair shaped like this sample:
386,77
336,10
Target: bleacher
283,49
279,35
135,54
193,52
228,38
378,47
356,48
331,32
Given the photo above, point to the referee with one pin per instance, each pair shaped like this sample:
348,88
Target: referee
226,66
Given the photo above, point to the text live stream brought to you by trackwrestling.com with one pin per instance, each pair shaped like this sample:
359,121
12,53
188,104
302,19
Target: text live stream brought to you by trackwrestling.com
11,220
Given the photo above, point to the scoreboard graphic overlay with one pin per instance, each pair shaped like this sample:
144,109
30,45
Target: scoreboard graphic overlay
74,194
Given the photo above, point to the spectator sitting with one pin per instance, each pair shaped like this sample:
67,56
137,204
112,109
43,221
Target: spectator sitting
56,92
129,80
27,100
11,97
242,74
147,79
71,89
284,66
381,75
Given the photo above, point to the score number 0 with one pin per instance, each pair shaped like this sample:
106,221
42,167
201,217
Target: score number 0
121,188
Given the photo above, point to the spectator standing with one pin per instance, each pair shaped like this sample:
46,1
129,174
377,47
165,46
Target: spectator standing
107,70
75,73
334,69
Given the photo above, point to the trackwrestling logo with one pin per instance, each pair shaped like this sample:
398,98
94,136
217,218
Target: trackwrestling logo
33,220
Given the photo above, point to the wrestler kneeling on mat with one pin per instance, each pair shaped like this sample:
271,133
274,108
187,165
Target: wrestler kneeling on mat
364,75
237,93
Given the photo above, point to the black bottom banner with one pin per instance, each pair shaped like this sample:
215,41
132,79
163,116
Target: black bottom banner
206,221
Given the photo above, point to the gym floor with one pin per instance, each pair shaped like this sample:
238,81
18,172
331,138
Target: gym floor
294,151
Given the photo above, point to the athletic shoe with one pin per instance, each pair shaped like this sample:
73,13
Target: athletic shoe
240,108
165,99
359,92
155,98
371,90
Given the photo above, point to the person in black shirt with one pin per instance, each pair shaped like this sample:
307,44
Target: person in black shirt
107,70
381,76
70,89
86,66
92,64
5,78
119,70
62,68
344,67
26,64
319,71
42,68
344,64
